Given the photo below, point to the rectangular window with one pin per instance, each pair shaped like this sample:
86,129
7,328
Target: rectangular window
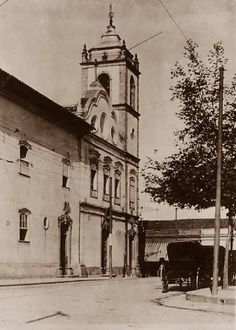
106,194
94,179
23,227
24,164
24,167
117,190
65,175
132,193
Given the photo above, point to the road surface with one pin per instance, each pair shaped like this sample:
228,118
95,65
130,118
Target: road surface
133,303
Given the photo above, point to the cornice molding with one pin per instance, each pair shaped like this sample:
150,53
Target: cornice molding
126,155
128,108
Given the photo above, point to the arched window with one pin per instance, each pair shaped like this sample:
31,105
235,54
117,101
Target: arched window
114,135
132,92
94,122
23,151
24,163
104,80
102,121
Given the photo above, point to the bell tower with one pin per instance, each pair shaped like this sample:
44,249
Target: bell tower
117,70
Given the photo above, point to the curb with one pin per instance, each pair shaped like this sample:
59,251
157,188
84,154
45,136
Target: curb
28,282
206,298
15,284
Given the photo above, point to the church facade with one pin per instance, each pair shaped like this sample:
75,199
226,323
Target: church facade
69,175
110,103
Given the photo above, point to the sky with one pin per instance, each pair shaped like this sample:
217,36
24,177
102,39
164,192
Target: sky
42,41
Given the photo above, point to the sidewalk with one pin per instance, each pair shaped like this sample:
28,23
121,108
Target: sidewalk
49,280
224,297
55,280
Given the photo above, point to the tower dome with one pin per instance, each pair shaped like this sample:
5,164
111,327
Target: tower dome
110,38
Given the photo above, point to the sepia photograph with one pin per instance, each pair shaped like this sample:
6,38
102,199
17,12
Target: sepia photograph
118,164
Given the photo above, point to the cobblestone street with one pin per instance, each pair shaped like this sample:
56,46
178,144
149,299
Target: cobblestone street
116,304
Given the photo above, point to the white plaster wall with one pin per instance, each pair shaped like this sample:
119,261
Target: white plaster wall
41,193
132,145
92,240
118,243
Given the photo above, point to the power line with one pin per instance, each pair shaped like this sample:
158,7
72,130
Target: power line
24,135
50,150
181,31
145,40
7,160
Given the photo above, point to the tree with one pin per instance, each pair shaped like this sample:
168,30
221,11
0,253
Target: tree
188,177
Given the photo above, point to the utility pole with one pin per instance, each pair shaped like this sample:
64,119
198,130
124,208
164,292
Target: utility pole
218,189
110,229
176,224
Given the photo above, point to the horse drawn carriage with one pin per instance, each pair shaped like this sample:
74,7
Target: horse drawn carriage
191,263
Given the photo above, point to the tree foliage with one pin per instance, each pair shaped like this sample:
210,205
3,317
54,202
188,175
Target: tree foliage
188,177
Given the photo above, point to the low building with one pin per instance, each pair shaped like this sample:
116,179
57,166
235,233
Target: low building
39,175
157,235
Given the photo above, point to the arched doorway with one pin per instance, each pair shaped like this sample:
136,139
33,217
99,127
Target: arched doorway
104,246
131,246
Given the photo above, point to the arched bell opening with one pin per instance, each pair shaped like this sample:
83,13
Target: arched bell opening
104,80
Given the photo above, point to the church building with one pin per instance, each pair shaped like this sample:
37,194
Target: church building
69,175
110,163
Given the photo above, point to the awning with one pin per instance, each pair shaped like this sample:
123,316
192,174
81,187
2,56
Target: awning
155,250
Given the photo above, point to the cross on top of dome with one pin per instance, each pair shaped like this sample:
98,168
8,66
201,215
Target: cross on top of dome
111,16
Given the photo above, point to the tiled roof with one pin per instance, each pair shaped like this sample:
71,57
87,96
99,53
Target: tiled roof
34,101
152,227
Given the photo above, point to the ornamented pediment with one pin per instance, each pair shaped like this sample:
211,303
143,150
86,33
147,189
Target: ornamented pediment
93,153
25,144
134,228
24,210
107,160
65,218
133,172
99,113
119,166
